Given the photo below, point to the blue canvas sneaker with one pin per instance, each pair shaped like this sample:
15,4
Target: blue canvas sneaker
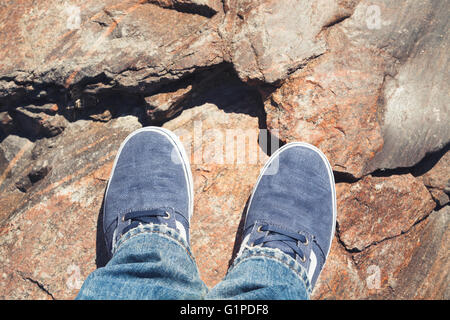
293,207
151,182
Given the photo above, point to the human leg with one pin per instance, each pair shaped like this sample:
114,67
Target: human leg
289,227
147,209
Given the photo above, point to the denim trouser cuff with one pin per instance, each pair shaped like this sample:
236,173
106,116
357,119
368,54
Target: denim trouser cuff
154,261
159,229
275,255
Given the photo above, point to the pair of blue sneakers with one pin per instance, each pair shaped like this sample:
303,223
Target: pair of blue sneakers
292,207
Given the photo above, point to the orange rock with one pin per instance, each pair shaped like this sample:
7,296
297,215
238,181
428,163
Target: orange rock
378,208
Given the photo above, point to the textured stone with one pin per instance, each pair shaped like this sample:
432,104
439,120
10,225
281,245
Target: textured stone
378,208
440,197
48,108
411,266
267,40
48,241
415,113
315,106
53,45
340,279
164,105
105,116
6,123
15,156
437,179
437,176
362,101
40,124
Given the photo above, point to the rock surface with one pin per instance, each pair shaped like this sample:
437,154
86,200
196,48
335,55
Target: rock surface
362,100
268,39
410,262
48,234
416,112
315,106
164,105
126,45
368,208
437,178
365,81
413,265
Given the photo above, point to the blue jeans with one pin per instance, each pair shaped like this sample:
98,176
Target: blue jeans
155,262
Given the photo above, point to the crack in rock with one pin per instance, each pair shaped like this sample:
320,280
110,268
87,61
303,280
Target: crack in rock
40,285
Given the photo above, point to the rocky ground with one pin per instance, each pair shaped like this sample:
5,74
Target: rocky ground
365,81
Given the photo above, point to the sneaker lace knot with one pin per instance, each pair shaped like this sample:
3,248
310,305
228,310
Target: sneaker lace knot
275,237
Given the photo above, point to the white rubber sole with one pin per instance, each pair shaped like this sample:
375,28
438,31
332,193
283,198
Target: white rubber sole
330,175
178,146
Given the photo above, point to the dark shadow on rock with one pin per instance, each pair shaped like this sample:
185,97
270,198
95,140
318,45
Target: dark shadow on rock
344,177
186,7
429,161
422,167
239,234
222,87
267,141
102,257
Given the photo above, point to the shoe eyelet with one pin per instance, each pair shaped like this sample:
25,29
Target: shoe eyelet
168,216
304,243
259,229
303,260
123,218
